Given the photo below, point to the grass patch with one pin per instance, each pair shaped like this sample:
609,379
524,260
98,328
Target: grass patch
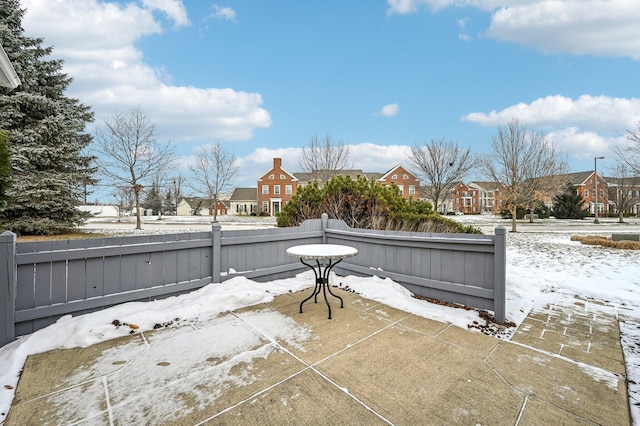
595,240
68,236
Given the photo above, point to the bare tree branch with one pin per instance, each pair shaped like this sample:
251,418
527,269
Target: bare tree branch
527,163
129,153
213,172
322,158
440,165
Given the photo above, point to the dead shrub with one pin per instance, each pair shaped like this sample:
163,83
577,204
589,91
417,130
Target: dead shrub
596,240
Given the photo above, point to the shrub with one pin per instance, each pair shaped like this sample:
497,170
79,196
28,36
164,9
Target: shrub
363,203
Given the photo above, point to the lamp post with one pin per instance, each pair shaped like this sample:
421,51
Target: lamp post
595,171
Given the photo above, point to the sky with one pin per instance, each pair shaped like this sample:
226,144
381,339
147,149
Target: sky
263,78
532,282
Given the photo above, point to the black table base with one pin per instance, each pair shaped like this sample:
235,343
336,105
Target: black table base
322,282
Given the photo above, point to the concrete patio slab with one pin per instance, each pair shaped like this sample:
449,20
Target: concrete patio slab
370,364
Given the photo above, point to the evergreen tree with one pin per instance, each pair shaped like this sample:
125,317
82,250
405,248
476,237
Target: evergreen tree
168,203
152,200
46,136
5,166
568,204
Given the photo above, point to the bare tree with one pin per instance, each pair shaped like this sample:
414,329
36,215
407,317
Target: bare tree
130,154
213,172
527,163
124,199
440,165
323,158
630,153
623,189
177,182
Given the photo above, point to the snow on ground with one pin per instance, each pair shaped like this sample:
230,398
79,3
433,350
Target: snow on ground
543,266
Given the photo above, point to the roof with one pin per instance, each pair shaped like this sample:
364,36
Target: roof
307,177
394,168
244,194
487,185
578,178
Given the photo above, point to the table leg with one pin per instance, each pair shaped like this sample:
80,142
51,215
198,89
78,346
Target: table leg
322,281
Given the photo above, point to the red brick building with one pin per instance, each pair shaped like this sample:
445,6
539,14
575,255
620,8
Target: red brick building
408,184
275,188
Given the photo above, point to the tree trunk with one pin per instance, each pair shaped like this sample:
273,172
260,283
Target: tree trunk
138,220
621,220
514,219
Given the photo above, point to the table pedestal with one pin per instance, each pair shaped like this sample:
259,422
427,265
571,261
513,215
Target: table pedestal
322,282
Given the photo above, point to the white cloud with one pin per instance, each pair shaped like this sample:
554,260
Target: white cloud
174,9
389,110
96,41
578,27
225,13
581,145
600,113
403,7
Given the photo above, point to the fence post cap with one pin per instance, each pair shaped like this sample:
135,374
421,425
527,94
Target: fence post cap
501,230
8,236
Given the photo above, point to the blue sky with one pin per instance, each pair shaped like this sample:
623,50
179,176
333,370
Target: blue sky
263,77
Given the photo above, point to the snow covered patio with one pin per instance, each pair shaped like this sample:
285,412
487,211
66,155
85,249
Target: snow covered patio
370,364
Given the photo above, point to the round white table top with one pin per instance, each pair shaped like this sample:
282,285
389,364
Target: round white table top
322,251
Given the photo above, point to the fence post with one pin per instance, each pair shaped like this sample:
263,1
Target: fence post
324,222
500,270
216,255
8,276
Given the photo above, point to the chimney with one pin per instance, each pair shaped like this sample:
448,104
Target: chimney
277,163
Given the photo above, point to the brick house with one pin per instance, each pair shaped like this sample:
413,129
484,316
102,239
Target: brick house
585,184
489,196
464,199
408,184
275,188
630,201
190,206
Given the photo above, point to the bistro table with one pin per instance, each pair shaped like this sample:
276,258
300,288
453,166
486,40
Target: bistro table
330,255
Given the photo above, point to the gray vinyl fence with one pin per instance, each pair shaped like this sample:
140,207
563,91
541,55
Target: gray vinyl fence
42,281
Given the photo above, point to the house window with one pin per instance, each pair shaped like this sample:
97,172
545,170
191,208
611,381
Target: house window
405,177
282,176
412,189
265,206
602,193
276,189
265,189
288,189
272,176
586,193
401,188
394,177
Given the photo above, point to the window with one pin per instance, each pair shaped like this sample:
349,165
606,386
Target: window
272,176
405,177
401,188
602,193
276,189
265,206
412,189
265,189
288,190
282,176
586,193
394,177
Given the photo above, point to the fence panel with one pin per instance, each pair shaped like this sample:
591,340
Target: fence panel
48,279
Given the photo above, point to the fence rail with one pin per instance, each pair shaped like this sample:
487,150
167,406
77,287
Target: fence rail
42,281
